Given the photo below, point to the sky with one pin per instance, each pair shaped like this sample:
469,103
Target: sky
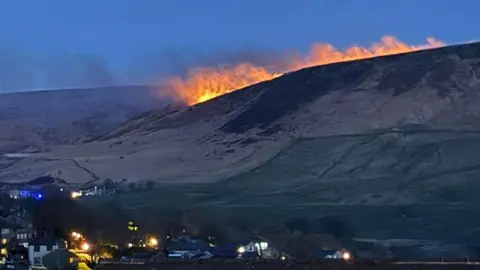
139,39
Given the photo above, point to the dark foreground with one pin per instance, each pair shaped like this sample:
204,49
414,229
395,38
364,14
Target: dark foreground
279,266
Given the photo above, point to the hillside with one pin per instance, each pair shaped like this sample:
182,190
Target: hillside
63,116
36,121
218,139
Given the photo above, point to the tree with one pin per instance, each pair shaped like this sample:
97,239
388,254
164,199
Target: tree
109,184
6,205
95,249
54,216
150,184
335,227
298,224
132,186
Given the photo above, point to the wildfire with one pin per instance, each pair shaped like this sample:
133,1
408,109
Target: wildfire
207,82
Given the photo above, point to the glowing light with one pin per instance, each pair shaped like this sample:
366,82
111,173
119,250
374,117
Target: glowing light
241,250
129,245
85,246
132,226
205,83
76,194
76,235
153,242
346,256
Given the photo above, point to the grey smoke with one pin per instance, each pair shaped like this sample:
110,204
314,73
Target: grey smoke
79,70
16,69
24,71
21,70
156,66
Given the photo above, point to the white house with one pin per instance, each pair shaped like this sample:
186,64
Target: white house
37,248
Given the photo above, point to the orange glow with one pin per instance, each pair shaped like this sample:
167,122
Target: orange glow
206,83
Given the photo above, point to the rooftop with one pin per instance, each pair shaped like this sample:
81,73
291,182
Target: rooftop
47,241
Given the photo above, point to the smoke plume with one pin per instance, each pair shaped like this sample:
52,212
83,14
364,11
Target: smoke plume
21,70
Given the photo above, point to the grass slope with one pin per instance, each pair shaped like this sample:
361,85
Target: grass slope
420,184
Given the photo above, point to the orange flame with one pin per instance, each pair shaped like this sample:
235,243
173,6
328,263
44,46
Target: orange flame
206,83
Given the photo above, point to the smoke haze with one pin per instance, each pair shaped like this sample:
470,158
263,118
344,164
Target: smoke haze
21,70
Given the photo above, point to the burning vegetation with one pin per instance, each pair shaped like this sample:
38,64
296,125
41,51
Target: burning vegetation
205,83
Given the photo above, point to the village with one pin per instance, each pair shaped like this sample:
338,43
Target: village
35,236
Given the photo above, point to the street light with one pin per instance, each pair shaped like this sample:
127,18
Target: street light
85,247
241,250
153,242
346,256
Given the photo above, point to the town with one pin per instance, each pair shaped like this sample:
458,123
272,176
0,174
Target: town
47,228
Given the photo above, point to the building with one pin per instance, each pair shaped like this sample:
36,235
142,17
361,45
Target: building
333,254
16,233
24,235
7,230
187,247
60,259
39,247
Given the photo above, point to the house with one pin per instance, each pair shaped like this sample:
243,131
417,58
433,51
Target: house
332,254
39,247
259,249
7,230
16,227
225,250
16,233
24,235
60,259
187,247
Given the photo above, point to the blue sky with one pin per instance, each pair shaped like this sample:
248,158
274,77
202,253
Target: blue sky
126,32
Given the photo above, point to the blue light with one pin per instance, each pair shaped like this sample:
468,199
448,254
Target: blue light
39,196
